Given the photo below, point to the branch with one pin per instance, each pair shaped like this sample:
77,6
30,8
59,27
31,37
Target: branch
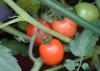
31,47
29,19
10,22
55,68
17,33
37,62
64,11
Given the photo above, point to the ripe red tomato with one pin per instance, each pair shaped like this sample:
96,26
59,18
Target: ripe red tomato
30,29
52,53
66,27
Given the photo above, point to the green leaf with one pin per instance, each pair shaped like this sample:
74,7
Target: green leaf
85,66
83,45
16,47
96,62
1,1
7,61
22,25
98,3
97,23
70,65
97,50
31,6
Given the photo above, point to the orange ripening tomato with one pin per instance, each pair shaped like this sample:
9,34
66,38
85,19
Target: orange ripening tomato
66,27
30,29
52,53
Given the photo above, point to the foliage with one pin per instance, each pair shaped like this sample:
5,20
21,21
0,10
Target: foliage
16,47
85,66
70,65
96,62
84,43
22,25
32,6
1,1
98,3
7,61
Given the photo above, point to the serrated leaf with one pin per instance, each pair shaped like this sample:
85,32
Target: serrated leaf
85,66
70,64
83,45
16,47
7,61
96,62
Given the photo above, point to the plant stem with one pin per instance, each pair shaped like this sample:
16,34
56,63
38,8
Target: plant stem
61,9
16,33
31,47
10,22
98,3
29,19
37,64
55,68
80,64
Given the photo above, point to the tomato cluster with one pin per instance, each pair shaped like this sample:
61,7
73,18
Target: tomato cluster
30,29
52,52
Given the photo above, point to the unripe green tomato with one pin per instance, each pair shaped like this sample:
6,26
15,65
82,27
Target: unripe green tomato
87,11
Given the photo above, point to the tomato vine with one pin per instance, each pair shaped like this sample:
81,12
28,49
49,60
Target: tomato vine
24,16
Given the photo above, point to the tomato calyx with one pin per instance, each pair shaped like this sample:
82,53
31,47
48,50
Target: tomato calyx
45,38
42,35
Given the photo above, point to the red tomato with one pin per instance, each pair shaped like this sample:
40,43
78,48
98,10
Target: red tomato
52,53
30,29
66,27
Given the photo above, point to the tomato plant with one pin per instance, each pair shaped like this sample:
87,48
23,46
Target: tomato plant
66,27
52,53
87,11
83,50
30,29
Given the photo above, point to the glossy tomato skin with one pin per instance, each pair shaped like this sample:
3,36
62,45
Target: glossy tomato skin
52,53
87,11
30,29
65,27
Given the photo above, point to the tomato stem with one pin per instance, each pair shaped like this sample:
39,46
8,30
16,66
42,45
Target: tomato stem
37,65
55,68
66,12
80,64
17,33
31,47
98,3
29,19
11,22
37,62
